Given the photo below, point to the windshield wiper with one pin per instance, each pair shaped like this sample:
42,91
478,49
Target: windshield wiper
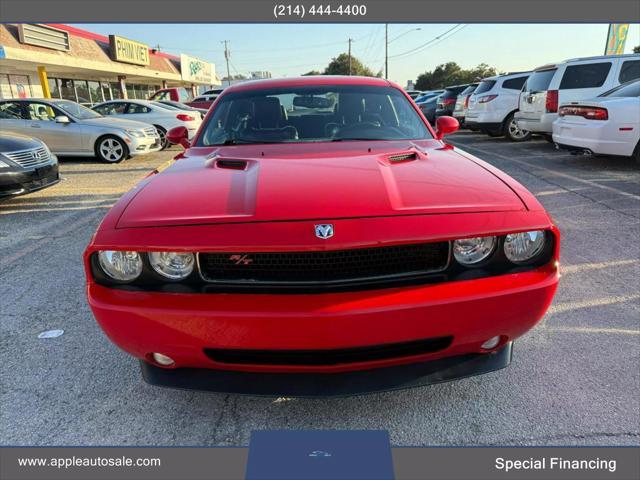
241,141
345,139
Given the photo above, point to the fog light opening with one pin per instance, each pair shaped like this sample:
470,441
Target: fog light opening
490,344
163,360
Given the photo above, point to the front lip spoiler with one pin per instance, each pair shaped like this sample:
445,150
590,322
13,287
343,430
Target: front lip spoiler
328,384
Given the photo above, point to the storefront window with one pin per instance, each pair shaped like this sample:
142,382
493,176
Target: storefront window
66,89
20,86
116,92
131,92
106,91
96,92
82,91
54,87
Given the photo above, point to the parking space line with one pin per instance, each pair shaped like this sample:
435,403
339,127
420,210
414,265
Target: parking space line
556,173
622,331
595,266
559,191
7,261
595,302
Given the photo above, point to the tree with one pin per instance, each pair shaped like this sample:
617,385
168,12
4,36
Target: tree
340,66
312,72
452,74
636,49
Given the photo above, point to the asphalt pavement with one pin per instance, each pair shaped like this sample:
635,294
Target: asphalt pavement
574,380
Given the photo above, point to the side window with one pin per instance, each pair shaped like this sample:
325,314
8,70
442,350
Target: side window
111,108
514,83
137,108
183,95
590,75
630,71
41,112
11,111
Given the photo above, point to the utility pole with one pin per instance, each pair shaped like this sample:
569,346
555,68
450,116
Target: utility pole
227,54
386,51
350,40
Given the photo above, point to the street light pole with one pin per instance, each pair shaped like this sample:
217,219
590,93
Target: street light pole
227,54
386,51
386,46
350,40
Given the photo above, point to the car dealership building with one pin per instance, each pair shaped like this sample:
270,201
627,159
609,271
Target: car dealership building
61,61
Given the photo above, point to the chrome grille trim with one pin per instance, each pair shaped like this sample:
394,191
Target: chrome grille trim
31,158
150,132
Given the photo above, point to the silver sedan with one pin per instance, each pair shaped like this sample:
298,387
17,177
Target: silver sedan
69,129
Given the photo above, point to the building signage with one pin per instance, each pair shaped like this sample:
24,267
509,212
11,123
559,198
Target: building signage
128,51
195,70
43,36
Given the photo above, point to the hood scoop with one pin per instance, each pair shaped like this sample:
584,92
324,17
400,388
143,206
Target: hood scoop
409,155
402,157
231,164
216,161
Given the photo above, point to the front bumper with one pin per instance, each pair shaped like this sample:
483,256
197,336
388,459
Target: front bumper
141,146
322,384
183,326
18,182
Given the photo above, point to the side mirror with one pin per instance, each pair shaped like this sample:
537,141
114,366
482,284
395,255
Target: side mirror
179,136
446,125
63,119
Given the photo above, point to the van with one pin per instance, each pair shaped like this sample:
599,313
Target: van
550,86
492,106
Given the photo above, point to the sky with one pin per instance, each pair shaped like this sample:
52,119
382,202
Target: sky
293,49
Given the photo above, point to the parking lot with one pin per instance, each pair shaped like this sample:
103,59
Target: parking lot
574,380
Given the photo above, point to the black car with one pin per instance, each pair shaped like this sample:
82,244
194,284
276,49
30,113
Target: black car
428,108
26,165
447,101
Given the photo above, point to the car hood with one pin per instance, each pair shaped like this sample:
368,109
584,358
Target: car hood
115,123
316,181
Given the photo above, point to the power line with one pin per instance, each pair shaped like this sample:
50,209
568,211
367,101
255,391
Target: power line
437,39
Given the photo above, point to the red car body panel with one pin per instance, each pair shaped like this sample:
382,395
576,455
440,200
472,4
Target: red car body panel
272,205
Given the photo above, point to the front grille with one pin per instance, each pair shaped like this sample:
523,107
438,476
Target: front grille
317,268
150,132
32,158
329,357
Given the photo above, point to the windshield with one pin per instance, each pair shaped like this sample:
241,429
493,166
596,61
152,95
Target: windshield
313,114
626,90
76,110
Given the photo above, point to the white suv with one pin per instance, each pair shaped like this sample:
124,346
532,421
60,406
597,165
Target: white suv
580,78
493,104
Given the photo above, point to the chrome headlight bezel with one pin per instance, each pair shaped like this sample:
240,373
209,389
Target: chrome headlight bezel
161,263
533,242
479,250
135,133
110,262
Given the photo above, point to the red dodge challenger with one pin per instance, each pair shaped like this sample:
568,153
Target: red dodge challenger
318,237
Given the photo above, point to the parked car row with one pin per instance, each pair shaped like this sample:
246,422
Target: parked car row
111,131
587,105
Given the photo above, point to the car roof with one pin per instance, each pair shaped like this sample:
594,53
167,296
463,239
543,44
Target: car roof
505,75
307,80
549,66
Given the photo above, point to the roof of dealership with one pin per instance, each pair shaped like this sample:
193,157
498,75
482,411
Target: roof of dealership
88,51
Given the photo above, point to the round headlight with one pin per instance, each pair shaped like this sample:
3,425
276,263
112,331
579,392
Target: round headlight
120,265
470,251
173,265
522,247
